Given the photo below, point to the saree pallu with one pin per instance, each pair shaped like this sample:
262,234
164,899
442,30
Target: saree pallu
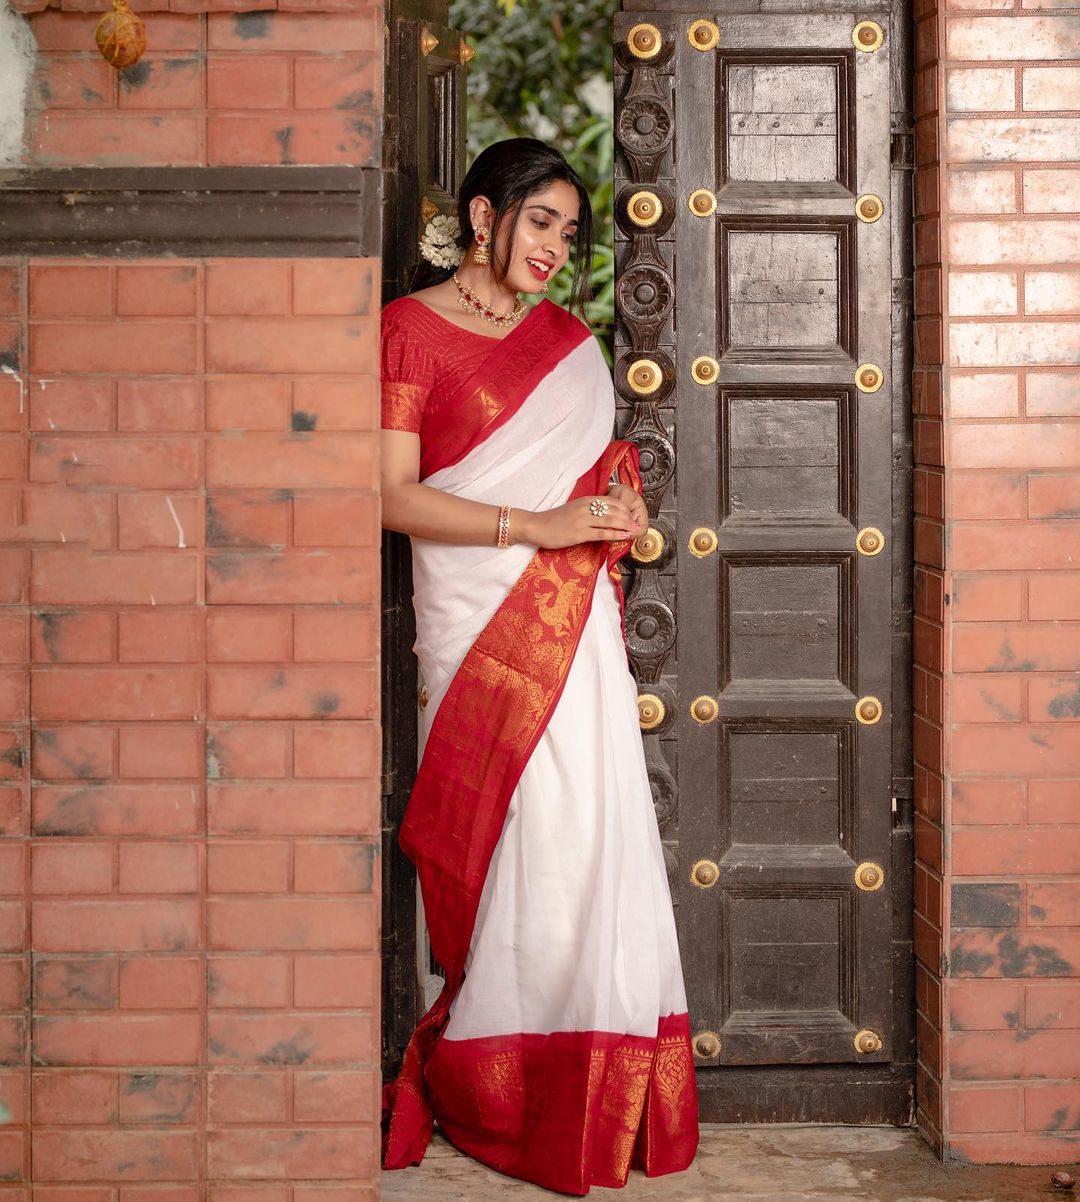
558,1050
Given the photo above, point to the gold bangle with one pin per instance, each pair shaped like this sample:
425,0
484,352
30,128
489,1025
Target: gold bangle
504,526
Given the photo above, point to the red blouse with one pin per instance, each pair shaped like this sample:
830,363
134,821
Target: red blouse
420,349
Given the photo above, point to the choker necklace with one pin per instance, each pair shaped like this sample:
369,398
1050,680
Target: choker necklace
469,301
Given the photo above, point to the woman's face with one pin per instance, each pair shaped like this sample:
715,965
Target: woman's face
540,245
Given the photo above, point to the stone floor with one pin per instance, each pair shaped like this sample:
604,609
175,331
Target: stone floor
782,1163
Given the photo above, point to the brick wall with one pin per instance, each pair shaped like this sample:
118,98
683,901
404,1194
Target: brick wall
189,590
997,402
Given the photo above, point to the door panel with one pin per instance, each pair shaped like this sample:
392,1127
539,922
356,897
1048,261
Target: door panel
757,335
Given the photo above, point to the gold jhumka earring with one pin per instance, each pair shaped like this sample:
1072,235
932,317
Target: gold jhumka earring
482,254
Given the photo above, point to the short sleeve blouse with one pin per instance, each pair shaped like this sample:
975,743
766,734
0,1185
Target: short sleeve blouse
407,369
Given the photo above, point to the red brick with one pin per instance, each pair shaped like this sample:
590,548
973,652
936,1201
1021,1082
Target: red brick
12,926
303,1192
263,1192
70,290
1052,1006
1010,953
13,983
1014,647
159,868
1055,698
116,693
116,1155
1053,903
1053,596
68,137
125,463
14,636
988,597
242,867
984,1109
1033,749
13,694
1051,801
11,282
1011,1055
309,345
162,636
12,868
163,83
67,517
334,635
257,750
291,809
336,982
72,83
161,983
151,520
304,460
156,291
249,635
246,402
988,852
1053,495
334,1097
345,81
250,139
300,578
70,31
159,1098
248,82
15,1092
1014,545
1052,1107
248,981
113,809
283,1039
72,752
336,749
278,31
72,868
14,754
103,926
159,405
349,404
987,802
248,286
314,1153
161,751
120,1040
334,867
332,286
12,819
342,520
136,348
71,637
982,495
1056,1148
248,1097
283,924
987,697
61,1097
291,692
254,520
13,1048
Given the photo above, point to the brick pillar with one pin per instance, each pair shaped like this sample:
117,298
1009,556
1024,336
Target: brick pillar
997,399
188,644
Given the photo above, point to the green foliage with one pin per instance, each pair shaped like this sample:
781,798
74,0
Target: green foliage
544,71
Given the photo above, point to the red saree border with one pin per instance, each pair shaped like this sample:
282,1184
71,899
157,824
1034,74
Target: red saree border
499,387
571,1109
487,725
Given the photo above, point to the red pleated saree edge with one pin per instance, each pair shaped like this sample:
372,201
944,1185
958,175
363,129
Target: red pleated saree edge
489,722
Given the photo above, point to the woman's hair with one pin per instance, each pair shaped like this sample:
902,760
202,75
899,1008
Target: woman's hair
508,173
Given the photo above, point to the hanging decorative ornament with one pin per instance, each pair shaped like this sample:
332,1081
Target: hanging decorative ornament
120,36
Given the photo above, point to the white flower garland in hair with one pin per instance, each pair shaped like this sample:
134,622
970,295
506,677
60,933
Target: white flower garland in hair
440,245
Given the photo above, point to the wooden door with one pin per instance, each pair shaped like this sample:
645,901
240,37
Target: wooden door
423,163
763,313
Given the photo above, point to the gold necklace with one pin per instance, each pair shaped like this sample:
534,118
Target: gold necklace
471,303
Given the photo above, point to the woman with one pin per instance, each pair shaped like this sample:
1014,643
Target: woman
558,1050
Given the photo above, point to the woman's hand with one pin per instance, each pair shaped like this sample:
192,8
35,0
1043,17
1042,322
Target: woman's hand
572,523
634,503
